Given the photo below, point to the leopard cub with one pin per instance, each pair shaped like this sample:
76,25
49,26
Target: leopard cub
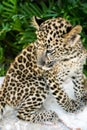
41,68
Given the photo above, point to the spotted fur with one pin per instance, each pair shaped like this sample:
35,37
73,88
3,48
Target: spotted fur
41,68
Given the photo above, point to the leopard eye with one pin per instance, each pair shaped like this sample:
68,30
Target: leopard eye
51,63
50,52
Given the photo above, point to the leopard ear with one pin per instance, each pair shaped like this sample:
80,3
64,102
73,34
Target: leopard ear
36,22
73,36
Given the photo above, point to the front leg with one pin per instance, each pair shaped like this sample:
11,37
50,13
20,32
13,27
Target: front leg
61,96
80,90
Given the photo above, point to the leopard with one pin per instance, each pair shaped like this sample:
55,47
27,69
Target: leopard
39,70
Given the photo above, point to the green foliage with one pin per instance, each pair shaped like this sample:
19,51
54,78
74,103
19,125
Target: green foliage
16,30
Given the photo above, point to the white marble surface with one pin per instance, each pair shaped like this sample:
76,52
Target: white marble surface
76,121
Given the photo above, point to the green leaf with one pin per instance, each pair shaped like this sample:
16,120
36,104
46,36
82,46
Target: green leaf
17,23
84,7
5,28
1,54
10,8
2,70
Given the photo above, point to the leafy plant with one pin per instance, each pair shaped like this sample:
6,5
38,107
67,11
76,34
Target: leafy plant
16,30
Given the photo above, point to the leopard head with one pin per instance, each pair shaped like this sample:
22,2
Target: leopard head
57,42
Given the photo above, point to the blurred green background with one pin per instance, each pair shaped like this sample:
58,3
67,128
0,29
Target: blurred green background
16,30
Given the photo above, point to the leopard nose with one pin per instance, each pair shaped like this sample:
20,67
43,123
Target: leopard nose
42,62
